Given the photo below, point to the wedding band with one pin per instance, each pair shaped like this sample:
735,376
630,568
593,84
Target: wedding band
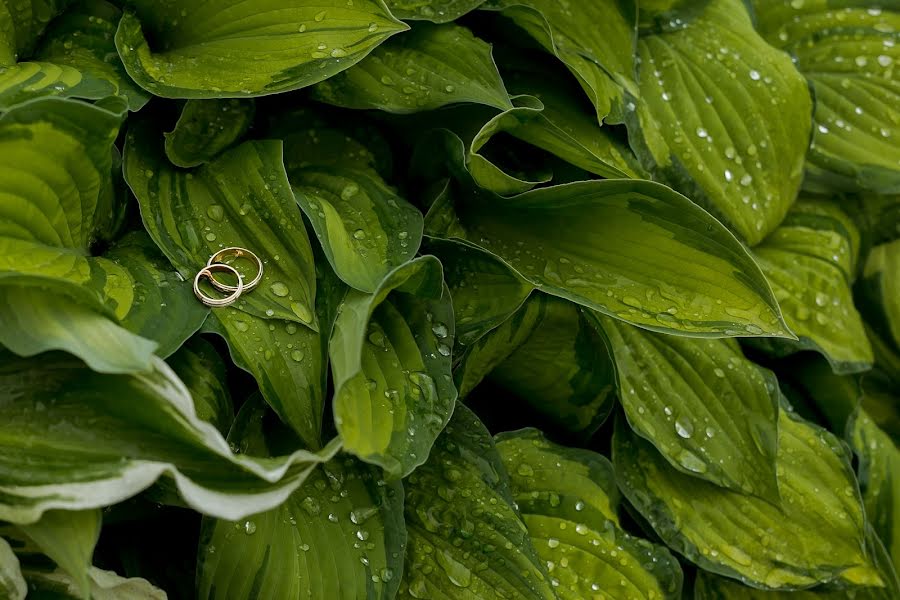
207,272
216,259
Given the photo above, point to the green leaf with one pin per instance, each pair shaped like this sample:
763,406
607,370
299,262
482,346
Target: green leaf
708,410
816,535
484,289
848,56
707,93
21,23
430,67
95,450
437,11
76,58
105,585
220,49
809,261
563,369
568,500
341,535
242,198
12,584
611,245
881,283
205,128
465,538
595,41
68,537
390,358
203,372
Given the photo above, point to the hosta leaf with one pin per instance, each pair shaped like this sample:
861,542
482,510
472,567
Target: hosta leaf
611,245
105,585
849,54
568,500
708,410
203,373
12,584
707,91
96,450
879,216
68,537
881,280
226,49
341,535
21,22
595,41
390,358
816,535
485,291
205,128
563,369
437,11
809,261
465,538
240,199
429,67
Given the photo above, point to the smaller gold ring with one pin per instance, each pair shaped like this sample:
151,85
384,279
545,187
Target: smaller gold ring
207,272
216,259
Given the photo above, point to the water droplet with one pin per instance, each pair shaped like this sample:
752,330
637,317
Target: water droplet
439,330
525,470
746,180
754,75
297,355
386,80
215,212
359,234
821,299
449,89
279,289
684,427
210,237
702,132
320,16
349,191
332,517
861,61
249,527
719,372
444,349
373,27
553,543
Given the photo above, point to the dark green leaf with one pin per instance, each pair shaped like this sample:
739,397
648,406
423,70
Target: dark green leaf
203,373
206,128
21,22
437,11
881,280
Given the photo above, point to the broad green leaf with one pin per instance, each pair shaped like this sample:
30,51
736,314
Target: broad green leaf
809,261
21,23
879,217
339,536
485,291
390,359
12,584
429,67
224,49
205,128
437,11
666,15
242,198
465,538
563,369
68,537
595,41
568,501
76,58
881,280
105,585
708,410
816,535
708,91
96,450
848,52
203,372
632,249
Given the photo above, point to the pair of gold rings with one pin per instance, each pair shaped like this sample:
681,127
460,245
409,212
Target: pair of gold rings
215,264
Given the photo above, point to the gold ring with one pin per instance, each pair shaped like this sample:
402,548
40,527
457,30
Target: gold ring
207,272
216,259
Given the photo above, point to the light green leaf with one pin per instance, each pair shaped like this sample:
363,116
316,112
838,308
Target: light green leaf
221,49
816,535
68,537
12,584
595,41
390,358
339,536
437,11
569,501
76,58
96,450
207,127
21,23
632,249
849,55
881,283
809,261
105,585
485,291
465,538
203,372
708,410
430,67
242,198
707,93
563,369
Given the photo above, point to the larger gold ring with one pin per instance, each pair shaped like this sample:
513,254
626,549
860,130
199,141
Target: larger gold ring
216,259
207,272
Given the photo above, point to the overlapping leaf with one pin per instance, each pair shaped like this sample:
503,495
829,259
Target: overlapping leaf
205,128
437,11
204,374
12,583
